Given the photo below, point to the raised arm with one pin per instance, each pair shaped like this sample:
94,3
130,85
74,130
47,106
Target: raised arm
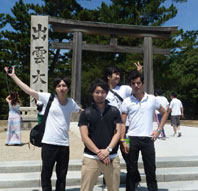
21,84
8,99
139,67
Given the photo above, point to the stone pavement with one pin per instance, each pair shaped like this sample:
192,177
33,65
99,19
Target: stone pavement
169,152
186,145
23,153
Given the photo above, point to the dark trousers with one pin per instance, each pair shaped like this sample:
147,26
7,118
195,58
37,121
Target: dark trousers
146,146
125,157
52,154
137,174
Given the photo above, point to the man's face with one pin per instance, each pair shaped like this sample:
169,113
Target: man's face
61,88
99,95
114,78
137,86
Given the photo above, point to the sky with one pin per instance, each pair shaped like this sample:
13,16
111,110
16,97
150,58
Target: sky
186,18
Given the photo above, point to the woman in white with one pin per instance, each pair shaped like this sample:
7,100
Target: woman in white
55,142
14,120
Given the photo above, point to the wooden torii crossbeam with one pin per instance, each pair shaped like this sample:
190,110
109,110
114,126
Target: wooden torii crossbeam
98,28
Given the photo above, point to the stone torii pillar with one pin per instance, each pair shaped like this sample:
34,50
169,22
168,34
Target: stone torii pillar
76,67
148,65
39,54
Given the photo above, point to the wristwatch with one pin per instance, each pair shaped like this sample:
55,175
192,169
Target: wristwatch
159,131
109,149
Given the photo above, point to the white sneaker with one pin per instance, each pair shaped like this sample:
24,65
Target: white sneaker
174,135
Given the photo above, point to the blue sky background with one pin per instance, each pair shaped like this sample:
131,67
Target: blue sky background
186,17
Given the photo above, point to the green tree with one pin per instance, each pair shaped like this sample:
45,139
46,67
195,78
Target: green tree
16,42
183,72
3,92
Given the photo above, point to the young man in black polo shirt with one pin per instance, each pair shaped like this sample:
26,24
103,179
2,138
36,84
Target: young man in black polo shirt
100,126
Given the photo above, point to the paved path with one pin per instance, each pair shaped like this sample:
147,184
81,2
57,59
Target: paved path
186,145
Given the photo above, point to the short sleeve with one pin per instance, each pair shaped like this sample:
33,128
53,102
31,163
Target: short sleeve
181,104
129,91
157,104
171,105
118,118
44,97
76,108
83,119
124,108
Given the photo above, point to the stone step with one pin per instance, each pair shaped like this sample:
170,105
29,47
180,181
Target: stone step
167,186
32,179
75,165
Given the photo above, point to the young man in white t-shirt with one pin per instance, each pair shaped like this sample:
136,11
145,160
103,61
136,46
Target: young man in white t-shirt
55,142
177,110
140,108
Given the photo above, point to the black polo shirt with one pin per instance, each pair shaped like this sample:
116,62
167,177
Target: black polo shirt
101,126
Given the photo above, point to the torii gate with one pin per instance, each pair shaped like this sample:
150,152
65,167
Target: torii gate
39,47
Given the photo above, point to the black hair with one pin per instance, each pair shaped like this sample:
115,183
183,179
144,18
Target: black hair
173,94
158,92
135,74
110,70
14,97
100,83
59,79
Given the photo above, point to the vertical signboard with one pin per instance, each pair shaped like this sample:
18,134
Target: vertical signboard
39,54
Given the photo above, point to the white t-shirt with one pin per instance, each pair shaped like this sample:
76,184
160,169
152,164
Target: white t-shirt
175,106
58,120
163,102
123,91
140,114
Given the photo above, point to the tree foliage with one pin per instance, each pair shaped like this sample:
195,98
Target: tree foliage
175,72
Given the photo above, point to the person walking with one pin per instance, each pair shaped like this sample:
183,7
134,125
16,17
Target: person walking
55,142
14,120
177,111
100,126
165,104
140,108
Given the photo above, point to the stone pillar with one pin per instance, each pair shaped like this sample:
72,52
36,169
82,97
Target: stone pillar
76,67
148,65
39,54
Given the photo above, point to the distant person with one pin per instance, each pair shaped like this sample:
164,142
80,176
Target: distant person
100,126
177,111
14,120
165,104
55,142
140,108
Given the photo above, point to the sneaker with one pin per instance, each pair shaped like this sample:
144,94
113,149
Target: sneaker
138,187
179,135
104,188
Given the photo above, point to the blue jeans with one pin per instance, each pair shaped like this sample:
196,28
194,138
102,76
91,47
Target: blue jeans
146,146
159,116
52,154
